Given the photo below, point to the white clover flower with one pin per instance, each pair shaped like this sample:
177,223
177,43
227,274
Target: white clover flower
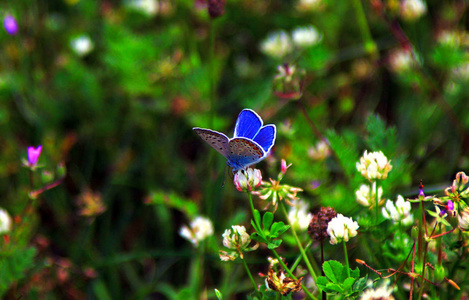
148,7
277,44
463,219
412,9
381,293
5,221
341,229
82,45
306,36
237,241
363,195
299,216
310,5
401,60
320,152
398,212
374,165
200,229
247,180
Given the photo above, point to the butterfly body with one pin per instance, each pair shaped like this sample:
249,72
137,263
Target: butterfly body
251,142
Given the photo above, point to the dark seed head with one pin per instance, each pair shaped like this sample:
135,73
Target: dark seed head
318,226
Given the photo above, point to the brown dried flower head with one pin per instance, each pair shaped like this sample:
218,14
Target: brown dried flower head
278,281
318,227
216,8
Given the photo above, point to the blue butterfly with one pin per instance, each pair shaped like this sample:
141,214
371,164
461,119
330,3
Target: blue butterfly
250,144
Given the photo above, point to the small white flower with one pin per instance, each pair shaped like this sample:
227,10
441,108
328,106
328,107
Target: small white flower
398,212
82,45
237,242
320,152
374,165
277,44
365,198
299,216
412,9
305,36
148,7
341,229
311,5
381,293
401,60
5,221
463,218
200,228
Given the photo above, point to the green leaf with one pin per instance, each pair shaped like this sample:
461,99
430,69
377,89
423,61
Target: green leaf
278,228
348,283
267,220
360,284
355,273
334,287
218,294
257,218
333,270
321,282
13,266
274,244
173,200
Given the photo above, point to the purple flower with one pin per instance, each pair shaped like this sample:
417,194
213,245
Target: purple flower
10,24
450,205
33,155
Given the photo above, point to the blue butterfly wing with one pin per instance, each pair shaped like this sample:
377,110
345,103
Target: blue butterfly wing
248,124
244,152
215,139
266,137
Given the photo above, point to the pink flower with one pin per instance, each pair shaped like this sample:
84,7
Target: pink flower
33,155
10,24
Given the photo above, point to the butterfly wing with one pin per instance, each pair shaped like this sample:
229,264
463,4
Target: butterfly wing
215,139
244,152
266,137
248,124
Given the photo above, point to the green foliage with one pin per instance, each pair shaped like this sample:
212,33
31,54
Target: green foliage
14,265
337,282
269,232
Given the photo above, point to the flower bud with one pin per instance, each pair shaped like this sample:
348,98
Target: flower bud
5,221
463,219
288,83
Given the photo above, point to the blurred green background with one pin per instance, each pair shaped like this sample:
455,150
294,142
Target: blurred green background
112,89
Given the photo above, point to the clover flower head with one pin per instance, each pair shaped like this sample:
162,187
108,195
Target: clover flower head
5,221
374,165
363,195
341,229
381,293
277,44
82,45
279,282
216,8
320,152
412,9
463,219
10,24
399,211
401,60
147,7
306,36
247,180
299,215
288,83
91,204
274,191
318,226
200,228
237,241
310,5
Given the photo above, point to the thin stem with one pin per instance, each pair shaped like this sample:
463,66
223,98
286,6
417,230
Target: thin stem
298,259
302,250
377,201
212,72
250,275
284,266
346,258
370,45
422,286
324,295
252,209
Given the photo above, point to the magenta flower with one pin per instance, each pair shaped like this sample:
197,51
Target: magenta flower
33,155
10,24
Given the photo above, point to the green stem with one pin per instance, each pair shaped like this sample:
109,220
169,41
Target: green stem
212,72
422,282
370,45
249,274
298,242
308,293
346,258
298,259
377,202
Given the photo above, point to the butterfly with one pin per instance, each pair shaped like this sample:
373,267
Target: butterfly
250,144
